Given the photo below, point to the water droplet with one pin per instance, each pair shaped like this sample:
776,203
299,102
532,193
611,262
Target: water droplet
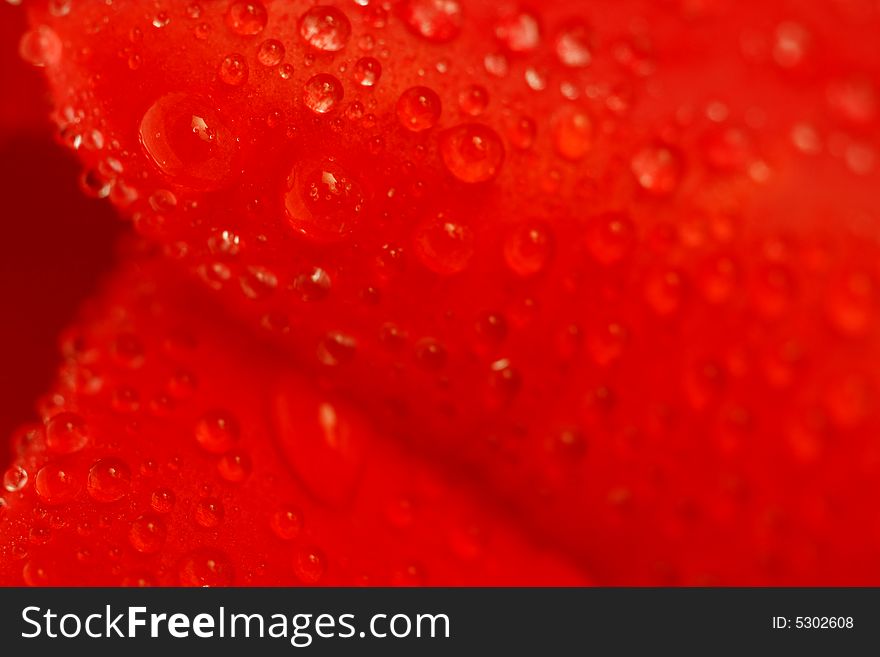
664,291
521,131
15,478
206,567
336,348
313,285
270,53
850,304
438,21
430,354
518,30
286,523
572,133
34,575
418,109
162,500
496,64
309,565
40,47
208,513
324,203
233,70
66,433
472,152
504,383
322,93
147,534
790,46
161,20
324,445
234,466
473,100
246,18
187,140
443,245
217,432
325,28
367,71
109,480
528,248
610,237
257,282
535,78
573,45
657,169
854,99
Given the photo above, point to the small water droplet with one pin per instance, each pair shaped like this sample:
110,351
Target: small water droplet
286,523
160,20
444,245
572,133
270,53
15,478
246,18
472,152
610,237
528,248
790,45
573,45
217,432
109,480
233,70
66,433
518,30
309,565
438,21
473,100
234,466
188,141
162,500
206,567
336,348
313,285
322,93
657,169
208,513
367,71
664,291
147,534
418,109
325,28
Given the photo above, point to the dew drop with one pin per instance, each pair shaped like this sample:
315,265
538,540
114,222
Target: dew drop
418,109
528,248
325,28
322,93
234,466
572,133
610,237
309,565
790,45
233,70
270,53
437,21
336,348
521,131
187,140
472,152
286,523
206,567
208,513
109,480
473,100
15,478
444,245
147,534
217,432
34,575
664,290
162,500
430,354
657,169
313,285
246,18
323,203
519,31
367,71
40,47
66,433
573,45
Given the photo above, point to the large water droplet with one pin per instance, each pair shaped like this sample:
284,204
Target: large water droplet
472,152
438,21
246,17
270,53
324,203
325,28
418,109
40,47
15,478
109,480
322,93
444,245
187,140
324,445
